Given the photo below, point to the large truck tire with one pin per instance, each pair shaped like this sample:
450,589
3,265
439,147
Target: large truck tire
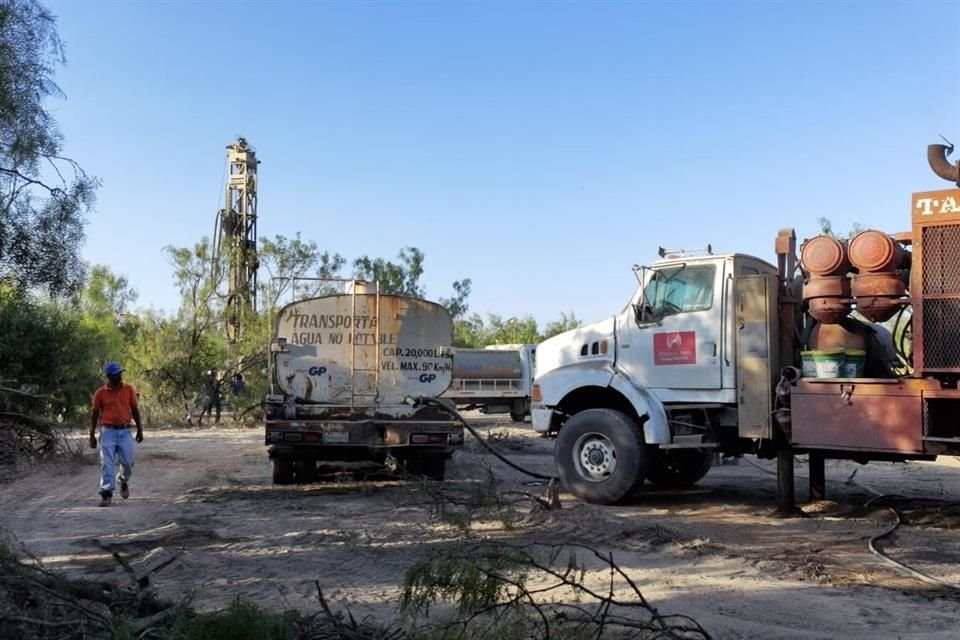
679,468
601,456
282,470
518,411
434,466
305,471
428,465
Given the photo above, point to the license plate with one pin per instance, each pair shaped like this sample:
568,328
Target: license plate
336,437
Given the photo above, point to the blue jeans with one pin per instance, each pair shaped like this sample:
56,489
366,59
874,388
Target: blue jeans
114,444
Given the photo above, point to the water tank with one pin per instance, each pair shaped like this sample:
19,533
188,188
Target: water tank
487,364
339,350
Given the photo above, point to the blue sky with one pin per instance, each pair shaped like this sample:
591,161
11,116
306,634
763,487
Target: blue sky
540,149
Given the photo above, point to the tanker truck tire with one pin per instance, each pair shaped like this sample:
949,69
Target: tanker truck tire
601,457
282,470
518,411
679,468
428,465
305,471
434,466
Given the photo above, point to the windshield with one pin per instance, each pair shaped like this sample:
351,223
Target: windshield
679,288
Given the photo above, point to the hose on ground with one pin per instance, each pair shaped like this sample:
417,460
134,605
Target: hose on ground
466,425
871,543
880,554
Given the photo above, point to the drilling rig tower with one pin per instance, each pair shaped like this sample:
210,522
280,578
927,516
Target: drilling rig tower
237,236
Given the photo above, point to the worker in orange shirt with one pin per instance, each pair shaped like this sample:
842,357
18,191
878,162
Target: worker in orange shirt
114,404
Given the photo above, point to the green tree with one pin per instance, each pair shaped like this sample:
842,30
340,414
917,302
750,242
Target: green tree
285,259
565,323
43,196
511,330
468,333
172,354
48,360
826,228
457,303
401,277
104,304
474,333
107,295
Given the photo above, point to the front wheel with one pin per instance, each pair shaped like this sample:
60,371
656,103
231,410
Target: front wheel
601,456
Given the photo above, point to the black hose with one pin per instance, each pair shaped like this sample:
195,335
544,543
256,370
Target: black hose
883,534
880,554
436,403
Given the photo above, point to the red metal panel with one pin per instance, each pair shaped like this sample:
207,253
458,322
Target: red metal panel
675,347
859,414
935,281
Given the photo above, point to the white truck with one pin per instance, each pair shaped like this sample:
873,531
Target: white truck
349,375
495,379
651,392
708,356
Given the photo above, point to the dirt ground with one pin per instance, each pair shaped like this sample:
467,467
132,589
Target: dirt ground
204,498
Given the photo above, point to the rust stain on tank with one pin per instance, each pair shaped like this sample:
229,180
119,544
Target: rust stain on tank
308,383
828,297
878,295
393,308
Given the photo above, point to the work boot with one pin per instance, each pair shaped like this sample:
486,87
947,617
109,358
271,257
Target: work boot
105,499
124,490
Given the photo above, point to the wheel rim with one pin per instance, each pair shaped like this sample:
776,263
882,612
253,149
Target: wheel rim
594,457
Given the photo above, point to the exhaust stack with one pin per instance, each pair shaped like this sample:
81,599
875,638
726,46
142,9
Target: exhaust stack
937,158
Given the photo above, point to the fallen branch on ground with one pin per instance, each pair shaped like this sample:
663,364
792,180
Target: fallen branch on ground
523,591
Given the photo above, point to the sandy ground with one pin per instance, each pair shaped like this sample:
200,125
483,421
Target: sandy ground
717,552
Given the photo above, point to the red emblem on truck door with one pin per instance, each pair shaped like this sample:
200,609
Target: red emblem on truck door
675,347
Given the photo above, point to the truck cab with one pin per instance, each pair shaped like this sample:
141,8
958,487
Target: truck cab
684,370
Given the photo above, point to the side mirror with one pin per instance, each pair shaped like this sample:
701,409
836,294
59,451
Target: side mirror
643,314
643,311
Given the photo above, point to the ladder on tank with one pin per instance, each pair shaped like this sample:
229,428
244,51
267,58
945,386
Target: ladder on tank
371,376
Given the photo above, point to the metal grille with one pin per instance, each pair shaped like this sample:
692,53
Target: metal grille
941,259
941,334
941,417
940,304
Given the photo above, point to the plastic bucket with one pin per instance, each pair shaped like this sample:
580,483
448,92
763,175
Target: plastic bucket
807,367
853,362
829,362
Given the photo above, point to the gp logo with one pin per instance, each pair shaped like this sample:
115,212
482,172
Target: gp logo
317,371
427,377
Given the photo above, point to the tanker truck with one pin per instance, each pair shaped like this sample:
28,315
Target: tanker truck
732,354
495,379
348,377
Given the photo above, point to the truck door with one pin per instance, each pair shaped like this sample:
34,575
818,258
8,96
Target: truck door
670,338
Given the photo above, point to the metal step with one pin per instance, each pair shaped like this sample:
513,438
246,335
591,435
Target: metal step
693,441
